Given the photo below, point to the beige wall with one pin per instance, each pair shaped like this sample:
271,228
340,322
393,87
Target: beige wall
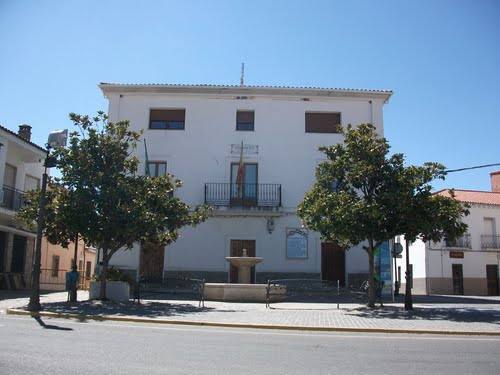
84,253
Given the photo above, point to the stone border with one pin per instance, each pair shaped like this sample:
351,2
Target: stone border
49,314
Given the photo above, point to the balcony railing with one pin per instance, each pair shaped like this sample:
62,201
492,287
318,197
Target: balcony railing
461,242
243,195
13,199
489,241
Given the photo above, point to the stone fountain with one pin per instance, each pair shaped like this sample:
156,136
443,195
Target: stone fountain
243,290
244,265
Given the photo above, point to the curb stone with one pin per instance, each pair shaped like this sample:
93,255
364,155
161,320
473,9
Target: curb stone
49,314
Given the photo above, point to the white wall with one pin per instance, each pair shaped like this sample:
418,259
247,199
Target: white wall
201,152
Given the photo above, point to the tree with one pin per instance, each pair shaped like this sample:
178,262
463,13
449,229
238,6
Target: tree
100,196
355,195
422,214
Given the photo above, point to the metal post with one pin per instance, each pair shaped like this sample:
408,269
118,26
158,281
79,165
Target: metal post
34,304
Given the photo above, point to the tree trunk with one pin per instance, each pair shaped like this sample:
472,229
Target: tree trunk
409,279
371,277
103,275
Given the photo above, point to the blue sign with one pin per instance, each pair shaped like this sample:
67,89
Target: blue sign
383,266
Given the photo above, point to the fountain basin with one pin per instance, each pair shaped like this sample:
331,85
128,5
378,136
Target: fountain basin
242,292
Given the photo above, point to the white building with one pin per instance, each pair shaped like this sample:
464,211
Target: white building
195,132
20,170
468,265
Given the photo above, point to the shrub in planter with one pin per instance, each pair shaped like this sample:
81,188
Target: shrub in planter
118,285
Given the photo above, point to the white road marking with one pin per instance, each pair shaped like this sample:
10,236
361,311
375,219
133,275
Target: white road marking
331,334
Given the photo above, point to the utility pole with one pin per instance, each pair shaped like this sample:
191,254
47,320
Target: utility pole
56,139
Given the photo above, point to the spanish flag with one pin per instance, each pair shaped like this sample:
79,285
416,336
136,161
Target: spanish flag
241,173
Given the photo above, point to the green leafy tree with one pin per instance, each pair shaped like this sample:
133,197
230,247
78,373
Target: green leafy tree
363,195
101,197
353,198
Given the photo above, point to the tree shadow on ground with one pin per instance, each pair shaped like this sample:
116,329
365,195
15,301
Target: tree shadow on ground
463,315
147,309
51,326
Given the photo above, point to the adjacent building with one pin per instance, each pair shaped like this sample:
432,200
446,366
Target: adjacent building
21,168
468,265
250,152
57,260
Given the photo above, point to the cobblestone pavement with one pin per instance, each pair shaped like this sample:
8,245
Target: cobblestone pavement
450,313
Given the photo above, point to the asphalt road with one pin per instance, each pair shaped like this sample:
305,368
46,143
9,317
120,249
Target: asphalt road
71,347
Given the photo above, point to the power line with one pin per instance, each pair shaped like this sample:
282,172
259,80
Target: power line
475,167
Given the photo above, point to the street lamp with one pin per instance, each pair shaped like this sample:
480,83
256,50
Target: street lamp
56,138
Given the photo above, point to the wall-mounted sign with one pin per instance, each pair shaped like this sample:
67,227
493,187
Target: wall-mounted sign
247,149
296,243
457,254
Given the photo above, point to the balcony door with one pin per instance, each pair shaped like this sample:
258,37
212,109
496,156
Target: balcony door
244,190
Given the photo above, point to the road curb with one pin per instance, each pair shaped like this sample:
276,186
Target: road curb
50,314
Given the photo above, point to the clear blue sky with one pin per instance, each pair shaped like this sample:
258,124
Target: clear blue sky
441,58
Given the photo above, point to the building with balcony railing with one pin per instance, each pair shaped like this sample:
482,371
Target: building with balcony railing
20,170
490,241
250,152
469,264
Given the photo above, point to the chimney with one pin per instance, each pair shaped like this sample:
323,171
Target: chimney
25,132
495,181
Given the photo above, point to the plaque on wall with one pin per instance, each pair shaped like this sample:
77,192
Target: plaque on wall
296,243
456,254
247,149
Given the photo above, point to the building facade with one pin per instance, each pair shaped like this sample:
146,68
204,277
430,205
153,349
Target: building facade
21,168
57,260
251,153
468,265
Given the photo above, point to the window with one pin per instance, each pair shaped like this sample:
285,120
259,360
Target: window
157,168
245,120
55,265
323,122
80,265
172,119
31,183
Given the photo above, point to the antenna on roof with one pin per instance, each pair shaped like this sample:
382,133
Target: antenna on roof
242,77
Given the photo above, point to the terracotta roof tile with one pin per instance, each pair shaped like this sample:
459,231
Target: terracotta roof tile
473,196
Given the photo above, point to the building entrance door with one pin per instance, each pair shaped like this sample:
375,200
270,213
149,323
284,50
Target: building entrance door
458,278
332,262
152,257
236,250
492,279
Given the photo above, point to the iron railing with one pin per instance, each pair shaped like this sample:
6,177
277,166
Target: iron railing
242,195
13,199
490,241
463,242
52,278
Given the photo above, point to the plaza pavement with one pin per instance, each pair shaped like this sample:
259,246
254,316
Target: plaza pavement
451,314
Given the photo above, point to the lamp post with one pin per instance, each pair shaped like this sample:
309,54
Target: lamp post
56,139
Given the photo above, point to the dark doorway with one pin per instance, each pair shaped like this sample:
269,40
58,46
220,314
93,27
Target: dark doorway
458,279
3,237
18,254
236,250
492,279
152,258
333,262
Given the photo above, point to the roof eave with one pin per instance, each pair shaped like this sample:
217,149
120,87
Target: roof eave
108,88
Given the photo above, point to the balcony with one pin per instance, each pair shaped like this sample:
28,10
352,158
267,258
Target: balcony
489,241
461,242
13,199
243,195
